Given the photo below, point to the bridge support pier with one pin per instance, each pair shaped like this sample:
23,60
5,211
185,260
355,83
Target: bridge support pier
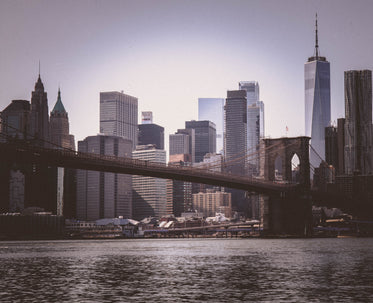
290,215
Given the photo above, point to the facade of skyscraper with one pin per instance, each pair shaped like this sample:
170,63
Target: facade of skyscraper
119,116
149,194
358,123
235,132
317,103
103,194
212,109
205,138
151,133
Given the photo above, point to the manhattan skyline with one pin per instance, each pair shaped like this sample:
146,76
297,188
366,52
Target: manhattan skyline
170,53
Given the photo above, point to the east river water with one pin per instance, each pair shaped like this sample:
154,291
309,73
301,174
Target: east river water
188,270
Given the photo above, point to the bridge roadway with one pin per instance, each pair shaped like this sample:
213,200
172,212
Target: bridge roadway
26,153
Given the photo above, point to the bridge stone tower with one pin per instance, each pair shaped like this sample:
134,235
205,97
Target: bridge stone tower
285,148
291,213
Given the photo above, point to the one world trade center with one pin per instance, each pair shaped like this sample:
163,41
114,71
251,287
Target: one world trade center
317,103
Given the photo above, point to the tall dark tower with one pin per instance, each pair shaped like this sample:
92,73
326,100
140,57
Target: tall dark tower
40,180
39,126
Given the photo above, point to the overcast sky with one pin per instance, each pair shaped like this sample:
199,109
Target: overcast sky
170,53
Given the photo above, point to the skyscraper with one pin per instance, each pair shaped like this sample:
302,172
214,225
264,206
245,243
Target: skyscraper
40,181
235,143
317,102
331,147
151,134
212,109
205,138
103,194
255,123
39,120
15,119
61,138
149,194
341,145
358,123
59,126
183,143
235,131
118,116
252,91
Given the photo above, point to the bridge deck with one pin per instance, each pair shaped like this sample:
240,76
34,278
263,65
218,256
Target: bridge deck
67,158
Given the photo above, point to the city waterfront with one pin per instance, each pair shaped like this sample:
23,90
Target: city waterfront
188,270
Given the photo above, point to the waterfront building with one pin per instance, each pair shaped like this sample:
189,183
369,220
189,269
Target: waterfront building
119,116
205,138
104,194
151,133
149,194
317,102
212,202
212,109
358,123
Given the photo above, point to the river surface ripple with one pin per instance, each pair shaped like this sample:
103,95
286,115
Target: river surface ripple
188,270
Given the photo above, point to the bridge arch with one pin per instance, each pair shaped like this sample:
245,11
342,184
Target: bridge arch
286,148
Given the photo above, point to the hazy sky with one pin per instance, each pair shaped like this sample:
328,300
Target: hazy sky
170,53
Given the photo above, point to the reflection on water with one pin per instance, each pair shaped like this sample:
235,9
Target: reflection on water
188,270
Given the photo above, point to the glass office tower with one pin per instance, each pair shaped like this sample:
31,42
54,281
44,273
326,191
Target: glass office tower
255,123
212,109
317,103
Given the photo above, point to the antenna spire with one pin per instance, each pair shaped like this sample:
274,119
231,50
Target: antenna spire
317,42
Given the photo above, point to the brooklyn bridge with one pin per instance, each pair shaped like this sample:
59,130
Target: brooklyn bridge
286,204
